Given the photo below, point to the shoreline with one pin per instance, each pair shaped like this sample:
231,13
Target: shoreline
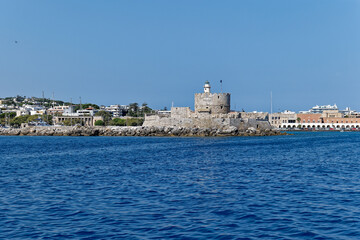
140,131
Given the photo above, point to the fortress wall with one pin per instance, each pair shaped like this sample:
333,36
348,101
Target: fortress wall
215,102
157,121
257,115
243,124
180,112
199,121
210,123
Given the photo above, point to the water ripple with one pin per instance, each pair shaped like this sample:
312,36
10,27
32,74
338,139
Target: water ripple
305,186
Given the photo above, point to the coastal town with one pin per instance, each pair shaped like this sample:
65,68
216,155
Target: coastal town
327,117
212,110
22,111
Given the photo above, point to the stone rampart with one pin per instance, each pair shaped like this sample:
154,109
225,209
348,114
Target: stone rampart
136,131
197,120
255,115
213,103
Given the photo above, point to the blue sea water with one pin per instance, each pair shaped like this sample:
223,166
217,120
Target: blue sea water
305,186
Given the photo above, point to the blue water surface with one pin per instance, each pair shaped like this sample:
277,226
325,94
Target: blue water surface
304,186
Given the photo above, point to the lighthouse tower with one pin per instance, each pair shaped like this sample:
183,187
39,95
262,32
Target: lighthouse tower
213,103
207,87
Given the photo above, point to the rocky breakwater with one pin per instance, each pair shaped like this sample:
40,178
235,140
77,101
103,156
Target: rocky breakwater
136,131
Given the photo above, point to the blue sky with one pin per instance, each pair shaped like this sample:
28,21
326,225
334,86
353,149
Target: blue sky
306,52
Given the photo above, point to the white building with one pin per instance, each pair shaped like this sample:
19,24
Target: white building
320,109
117,110
57,109
31,109
283,119
86,112
22,112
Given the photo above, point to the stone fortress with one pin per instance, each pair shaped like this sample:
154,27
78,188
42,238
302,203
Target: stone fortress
212,110
214,103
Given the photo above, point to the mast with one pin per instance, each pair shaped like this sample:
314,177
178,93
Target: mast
271,107
53,106
70,112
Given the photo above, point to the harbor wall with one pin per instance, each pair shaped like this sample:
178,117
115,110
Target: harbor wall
136,131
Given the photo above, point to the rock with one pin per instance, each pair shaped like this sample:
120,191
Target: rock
137,131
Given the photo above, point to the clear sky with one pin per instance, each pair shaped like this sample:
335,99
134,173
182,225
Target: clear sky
306,52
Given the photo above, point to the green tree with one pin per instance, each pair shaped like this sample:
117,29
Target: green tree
118,122
87,105
71,122
134,121
20,98
145,109
99,123
8,114
105,115
6,117
134,107
17,121
133,110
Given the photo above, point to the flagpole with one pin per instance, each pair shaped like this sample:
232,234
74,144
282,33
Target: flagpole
271,107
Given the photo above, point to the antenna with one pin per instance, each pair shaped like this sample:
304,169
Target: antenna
71,111
43,98
172,104
53,110
221,85
271,105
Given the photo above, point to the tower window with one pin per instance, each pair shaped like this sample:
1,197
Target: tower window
218,96
221,107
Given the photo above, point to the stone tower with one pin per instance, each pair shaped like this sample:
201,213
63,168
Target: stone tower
212,103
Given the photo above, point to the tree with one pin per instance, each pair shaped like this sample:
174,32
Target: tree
87,105
118,122
133,110
71,122
6,117
105,115
145,108
134,107
20,98
99,123
134,121
17,121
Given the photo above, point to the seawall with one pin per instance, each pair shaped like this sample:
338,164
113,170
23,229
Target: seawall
136,131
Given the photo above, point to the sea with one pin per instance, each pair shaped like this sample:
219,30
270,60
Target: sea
301,186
